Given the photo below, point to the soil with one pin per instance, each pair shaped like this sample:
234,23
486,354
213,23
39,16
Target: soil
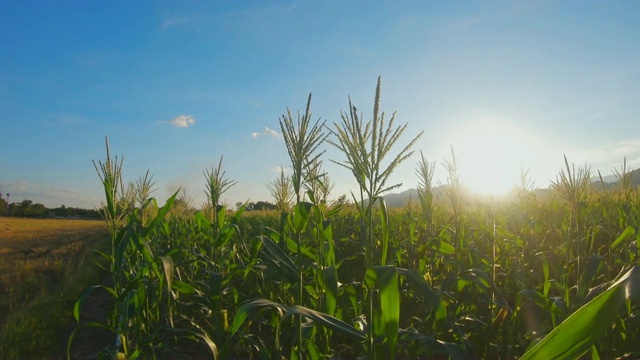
90,340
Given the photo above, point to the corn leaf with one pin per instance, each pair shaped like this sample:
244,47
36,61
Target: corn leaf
300,216
422,288
384,221
330,279
575,336
285,262
162,213
386,278
628,232
325,320
593,266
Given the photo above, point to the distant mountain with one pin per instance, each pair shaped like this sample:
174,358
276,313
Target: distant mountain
400,199
611,181
607,179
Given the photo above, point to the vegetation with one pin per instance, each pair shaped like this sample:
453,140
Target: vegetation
27,208
456,277
44,266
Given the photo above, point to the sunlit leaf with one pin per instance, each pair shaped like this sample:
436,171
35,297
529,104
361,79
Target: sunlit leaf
575,336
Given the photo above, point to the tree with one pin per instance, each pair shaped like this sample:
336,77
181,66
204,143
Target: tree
3,206
38,210
263,205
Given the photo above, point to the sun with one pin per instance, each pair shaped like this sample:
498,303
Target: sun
490,155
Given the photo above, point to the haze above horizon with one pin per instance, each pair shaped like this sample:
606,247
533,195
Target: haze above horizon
177,85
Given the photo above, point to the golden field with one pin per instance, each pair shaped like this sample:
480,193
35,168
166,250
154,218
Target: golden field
44,265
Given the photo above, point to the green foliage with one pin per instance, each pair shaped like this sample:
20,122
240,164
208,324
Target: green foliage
577,334
454,277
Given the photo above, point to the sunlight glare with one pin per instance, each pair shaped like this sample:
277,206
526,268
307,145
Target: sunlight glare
490,156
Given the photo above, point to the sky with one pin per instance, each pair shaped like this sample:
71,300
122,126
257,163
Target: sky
175,85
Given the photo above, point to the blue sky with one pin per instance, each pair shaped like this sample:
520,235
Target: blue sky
175,85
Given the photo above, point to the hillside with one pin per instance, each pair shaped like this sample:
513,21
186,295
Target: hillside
400,199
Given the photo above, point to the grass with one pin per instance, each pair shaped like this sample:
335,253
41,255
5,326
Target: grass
44,266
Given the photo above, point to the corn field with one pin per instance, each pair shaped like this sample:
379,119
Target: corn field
444,277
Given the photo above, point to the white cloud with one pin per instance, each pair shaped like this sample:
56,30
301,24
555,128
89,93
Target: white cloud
271,132
182,121
279,169
267,132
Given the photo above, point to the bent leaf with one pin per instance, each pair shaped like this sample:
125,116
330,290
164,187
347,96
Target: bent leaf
326,320
628,232
575,336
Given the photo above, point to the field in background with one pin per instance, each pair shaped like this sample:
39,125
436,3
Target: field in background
44,265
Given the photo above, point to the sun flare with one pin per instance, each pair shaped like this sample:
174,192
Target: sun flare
490,155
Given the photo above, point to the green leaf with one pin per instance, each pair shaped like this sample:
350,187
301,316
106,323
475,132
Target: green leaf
386,278
628,232
593,266
183,287
483,279
326,320
284,261
243,313
437,244
452,350
162,213
330,279
575,336
329,251
528,295
300,216
203,223
85,295
423,288
384,221
293,247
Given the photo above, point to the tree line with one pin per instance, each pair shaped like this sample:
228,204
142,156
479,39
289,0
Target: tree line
27,208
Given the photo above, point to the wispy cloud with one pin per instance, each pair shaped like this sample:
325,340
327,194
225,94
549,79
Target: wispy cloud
279,169
13,187
267,132
181,121
610,156
271,132
174,21
44,193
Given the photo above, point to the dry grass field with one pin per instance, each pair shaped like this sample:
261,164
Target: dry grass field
44,265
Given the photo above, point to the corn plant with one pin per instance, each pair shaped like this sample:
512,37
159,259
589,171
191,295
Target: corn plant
454,193
282,191
110,174
302,140
216,185
138,283
425,173
142,189
318,185
464,278
366,147
573,186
